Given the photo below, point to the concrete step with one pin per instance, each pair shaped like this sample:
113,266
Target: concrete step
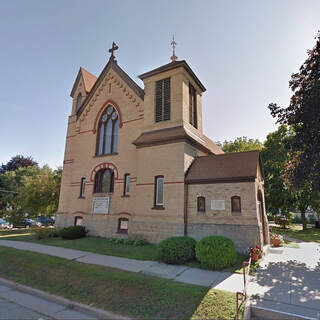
267,310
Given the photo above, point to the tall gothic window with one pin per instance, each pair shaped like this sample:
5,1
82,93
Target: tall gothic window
79,101
193,117
104,181
162,100
108,132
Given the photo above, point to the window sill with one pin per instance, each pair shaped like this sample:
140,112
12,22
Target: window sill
236,213
106,155
125,196
81,197
201,212
158,208
102,194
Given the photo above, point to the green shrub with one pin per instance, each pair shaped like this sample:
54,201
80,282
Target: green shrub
216,252
140,242
176,250
54,233
119,241
73,232
42,233
128,241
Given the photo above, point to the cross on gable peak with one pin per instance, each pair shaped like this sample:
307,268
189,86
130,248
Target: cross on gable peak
112,50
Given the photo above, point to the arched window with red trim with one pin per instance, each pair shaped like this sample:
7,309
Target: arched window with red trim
107,137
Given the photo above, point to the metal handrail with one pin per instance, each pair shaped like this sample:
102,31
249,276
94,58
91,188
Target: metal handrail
243,294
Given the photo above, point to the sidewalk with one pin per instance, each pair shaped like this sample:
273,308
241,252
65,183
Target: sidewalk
288,280
227,281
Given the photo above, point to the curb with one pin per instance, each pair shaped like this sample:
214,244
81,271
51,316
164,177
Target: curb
99,313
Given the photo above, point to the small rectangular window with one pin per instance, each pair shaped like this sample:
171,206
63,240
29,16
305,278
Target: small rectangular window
201,204
235,204
123,225
82,187
126,189
159,185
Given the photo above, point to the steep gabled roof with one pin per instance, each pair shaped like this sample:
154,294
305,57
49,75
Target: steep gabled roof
88,79
126,78
174,65
226,167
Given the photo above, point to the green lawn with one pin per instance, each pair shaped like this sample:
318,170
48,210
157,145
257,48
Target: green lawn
130,294
103,246
296,232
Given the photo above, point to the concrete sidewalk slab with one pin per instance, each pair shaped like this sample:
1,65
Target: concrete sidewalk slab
116,262
198,276
69,254
164,270
231,282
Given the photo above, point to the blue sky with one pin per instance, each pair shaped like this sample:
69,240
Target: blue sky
243,51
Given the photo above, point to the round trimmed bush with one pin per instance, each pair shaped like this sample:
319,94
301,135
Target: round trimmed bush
176,250
216,252
73,232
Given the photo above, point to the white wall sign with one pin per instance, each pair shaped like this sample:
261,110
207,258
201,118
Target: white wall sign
218,205
101,205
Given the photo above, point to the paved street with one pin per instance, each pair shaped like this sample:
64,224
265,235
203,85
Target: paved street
22,306
11,310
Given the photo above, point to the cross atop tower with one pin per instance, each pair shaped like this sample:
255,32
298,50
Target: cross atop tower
173,44
112,50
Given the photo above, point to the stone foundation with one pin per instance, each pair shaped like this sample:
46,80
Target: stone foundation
243,236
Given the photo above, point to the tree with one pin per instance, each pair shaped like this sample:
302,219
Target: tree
240,144
303,116
17,162
33,191
275,157
40,191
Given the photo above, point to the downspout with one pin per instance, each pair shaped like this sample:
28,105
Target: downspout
186,194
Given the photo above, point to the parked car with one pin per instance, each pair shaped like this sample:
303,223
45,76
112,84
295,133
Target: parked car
46,221
5,225
28,223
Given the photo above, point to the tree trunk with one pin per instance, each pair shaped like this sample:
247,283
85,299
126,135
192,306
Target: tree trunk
304,220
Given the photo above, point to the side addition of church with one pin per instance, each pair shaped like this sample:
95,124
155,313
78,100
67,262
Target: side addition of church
138,165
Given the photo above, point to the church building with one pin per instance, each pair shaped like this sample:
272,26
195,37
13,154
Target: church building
137,163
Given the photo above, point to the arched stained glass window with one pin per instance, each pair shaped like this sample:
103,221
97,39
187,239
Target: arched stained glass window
108,132
104,181
79,101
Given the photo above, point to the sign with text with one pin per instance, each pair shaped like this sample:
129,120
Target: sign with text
218,205
101,205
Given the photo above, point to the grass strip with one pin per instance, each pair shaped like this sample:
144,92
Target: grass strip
126,293
296,232
102,246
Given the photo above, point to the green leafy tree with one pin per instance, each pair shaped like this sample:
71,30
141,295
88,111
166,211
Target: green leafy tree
17,162
39,193
240,144
33,191
304,117
275,157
